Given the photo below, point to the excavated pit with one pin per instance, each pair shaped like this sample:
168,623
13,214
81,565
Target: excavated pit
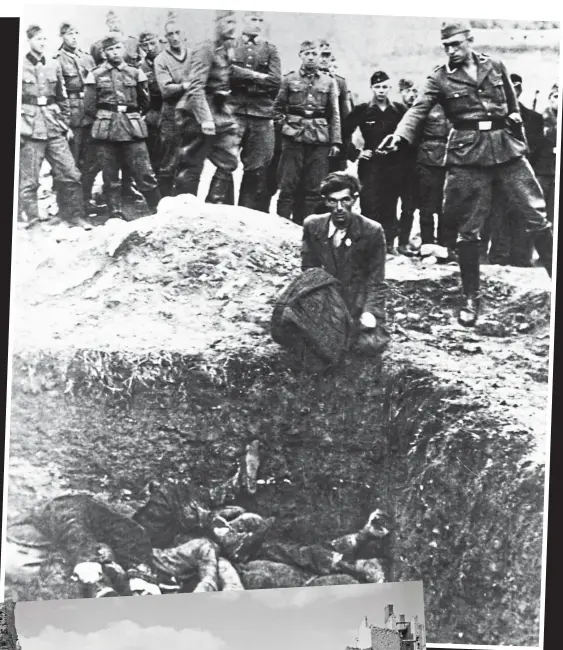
142,351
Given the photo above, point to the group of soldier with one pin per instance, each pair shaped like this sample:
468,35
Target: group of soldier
148,117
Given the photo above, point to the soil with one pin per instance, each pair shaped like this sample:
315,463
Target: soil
142,350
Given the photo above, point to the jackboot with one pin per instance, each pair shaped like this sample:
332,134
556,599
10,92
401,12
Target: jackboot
186,182
166,186
469,253
71,205
253,189
543,243
115,205
220,189
152,197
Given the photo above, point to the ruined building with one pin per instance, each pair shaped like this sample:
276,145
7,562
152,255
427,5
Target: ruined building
397,634
8,633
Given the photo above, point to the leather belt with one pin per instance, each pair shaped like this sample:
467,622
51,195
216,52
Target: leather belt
480,125
32,100
302,112
117,108
76,95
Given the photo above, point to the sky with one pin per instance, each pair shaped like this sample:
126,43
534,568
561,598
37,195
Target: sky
309,617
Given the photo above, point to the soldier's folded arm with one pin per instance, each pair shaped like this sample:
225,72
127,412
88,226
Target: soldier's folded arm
309,259
90,98
168,88
143,95
199,73
376,287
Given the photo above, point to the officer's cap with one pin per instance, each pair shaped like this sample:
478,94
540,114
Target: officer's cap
516,79
378,77
147,37
223,13
66,27
452,27
111,39
405,84
307,45
32,30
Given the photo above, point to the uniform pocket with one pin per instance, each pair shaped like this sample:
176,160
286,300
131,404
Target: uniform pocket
292,126
320,130
101,128
457,101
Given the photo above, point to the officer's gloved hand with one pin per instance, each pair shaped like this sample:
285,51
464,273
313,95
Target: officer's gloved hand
88,572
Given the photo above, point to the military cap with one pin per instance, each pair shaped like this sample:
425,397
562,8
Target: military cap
451,27
516,79
110,39
307,45
147,37
223,13
66,27
378,77
32,30
405,84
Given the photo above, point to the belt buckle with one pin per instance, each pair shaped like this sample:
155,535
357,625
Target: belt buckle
42,101
121,108
485,126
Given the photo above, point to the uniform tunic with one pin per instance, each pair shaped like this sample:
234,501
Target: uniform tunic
253,101
484,166
148,66
45,117
546,160
306,111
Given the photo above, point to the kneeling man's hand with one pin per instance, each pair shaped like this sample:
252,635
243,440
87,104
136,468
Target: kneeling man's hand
367,320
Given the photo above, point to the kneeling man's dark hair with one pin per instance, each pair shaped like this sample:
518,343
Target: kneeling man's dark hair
338,181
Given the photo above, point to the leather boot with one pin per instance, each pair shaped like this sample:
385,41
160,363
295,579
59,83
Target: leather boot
469,253
165,185
185,183
72,206
253,189
152,197
115,205
128,190
543,243
219,189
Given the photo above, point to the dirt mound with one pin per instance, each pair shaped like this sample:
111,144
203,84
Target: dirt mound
191,278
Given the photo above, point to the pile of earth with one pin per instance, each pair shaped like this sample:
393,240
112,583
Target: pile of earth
142,351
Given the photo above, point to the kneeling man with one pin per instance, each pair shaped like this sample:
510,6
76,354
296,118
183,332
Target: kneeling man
352,249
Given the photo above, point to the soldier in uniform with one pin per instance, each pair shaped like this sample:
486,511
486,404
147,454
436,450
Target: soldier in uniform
205,114
132,57
381,176
116,95
485,154
409,190
45,117
545,163
431,173
171,68
306,110
510,243
255,82
149,44
328,64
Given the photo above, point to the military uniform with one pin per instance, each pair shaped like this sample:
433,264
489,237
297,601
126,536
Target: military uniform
545,164
431,173
171,71
152,118
208,100
253,100
45,117
115,97
306,110
485,157
381,176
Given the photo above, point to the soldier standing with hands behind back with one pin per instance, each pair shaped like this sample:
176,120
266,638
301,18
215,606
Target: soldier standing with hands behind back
306,110
485,154
116,95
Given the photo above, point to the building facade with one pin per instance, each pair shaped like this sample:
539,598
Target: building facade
396,634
